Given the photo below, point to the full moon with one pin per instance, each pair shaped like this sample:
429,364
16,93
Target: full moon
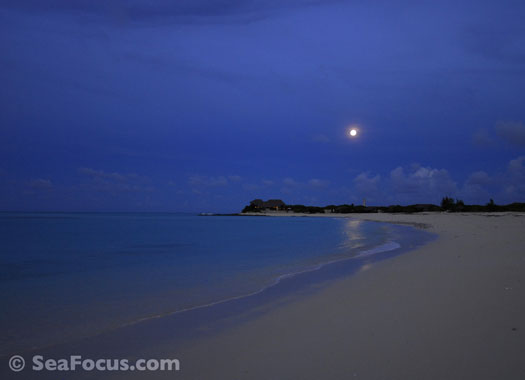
353,132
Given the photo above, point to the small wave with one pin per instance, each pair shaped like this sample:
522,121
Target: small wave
389,246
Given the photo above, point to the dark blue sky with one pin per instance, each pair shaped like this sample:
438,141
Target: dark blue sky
201,105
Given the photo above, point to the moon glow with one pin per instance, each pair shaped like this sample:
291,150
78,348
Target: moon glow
353,132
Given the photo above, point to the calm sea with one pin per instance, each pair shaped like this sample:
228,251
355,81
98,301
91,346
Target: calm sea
65,276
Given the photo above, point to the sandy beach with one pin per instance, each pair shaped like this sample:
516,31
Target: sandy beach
452,309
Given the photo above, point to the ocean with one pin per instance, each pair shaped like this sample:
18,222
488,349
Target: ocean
68,276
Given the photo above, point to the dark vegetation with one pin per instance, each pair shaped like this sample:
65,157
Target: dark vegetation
447,205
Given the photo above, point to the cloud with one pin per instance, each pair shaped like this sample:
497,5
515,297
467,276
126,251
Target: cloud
365,183
315,182
40,184
288,181
114,182
406,185
234,178
474,194
300,188
185,67
154,11
482,138
500,38
35,188
516,176
511,131
516,167
102,174
504,187
419,183
514,182
475,188
205,181
479,178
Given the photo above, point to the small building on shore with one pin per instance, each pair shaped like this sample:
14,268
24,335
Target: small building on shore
271,204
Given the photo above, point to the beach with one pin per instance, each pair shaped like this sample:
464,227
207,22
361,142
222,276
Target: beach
451,309
277,190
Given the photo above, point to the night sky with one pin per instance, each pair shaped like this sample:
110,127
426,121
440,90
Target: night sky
204,105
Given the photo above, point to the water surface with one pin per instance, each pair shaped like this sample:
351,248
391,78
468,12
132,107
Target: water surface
68,276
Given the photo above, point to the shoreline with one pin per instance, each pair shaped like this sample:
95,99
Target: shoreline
450,309
362,217
288,285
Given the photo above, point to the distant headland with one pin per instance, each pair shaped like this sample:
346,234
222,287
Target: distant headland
447,204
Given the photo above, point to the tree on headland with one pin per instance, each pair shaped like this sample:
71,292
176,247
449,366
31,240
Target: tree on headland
447,204
491,206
